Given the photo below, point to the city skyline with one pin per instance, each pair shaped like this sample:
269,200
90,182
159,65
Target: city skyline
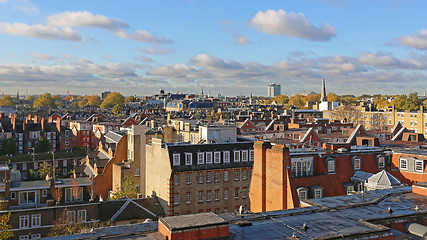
138,48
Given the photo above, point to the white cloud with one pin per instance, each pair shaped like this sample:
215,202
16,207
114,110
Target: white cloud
243,40
142,36
85,19
374,60
25,6
158,50
418,41
40,31
291,24
144,59
42,56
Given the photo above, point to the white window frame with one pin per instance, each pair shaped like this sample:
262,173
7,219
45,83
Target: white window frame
13,195
217,157
188,178
188,197
188,159
403,163
357,159
318,193
208,195
331,165
216,194
236,155
226,176
226,157
419,165
200,197
36,165
302,194
64,163
24,222
349,189
251,155
217,177
381,164
209,158
226,193
200,158
209,177
236,193
245,156
176,179
71,216
36,220
81,215
176,199
200,178
236,175
245,192
44,193
176,159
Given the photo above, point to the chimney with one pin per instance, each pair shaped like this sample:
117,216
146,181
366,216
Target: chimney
42,122
58,124
13,121
36,120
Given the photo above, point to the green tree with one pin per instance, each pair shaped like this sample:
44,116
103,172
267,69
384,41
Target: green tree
93,100
42,145
7,100
112,99
412,102
82,103
44,100
129,99
31,98
9,146
5,227
45,169
128,189
117,109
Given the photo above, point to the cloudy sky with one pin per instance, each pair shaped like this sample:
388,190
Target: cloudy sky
228,47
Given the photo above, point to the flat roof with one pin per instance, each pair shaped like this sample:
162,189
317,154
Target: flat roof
192,221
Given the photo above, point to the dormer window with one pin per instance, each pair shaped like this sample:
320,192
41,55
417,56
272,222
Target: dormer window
419,165
302,193
357,163
381,161
330,162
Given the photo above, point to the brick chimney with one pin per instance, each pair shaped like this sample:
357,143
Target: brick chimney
42,122
58,124
36,119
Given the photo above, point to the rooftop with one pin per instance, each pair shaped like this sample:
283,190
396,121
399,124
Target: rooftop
192,221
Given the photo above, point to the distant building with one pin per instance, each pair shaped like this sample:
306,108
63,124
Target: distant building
273,90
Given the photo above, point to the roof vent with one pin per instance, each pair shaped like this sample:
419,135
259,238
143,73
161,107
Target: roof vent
389,210
304,227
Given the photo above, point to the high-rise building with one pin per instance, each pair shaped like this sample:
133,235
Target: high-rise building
273,90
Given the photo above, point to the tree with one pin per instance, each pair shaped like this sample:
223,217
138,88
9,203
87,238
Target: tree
93,100
44,100
130,99
31,98
7,100
297,101
112,99
348,113
5,227
82,103
46,169
42,145
57,195
65,225
116,109
127,189
9,146
332,97
92,191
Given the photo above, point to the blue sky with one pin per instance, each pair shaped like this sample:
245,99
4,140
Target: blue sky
228,47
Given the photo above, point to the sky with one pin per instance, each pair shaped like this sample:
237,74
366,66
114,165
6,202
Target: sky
227,47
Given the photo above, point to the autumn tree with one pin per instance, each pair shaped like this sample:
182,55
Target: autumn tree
127,189
92,191
297,101
5,227
31,98
93,100
116,109
112,99
46,169
67,224
57,194
348,113
7,100
44,100
312,97
332,97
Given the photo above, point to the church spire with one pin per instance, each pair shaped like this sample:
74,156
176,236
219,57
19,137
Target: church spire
202,92
323,97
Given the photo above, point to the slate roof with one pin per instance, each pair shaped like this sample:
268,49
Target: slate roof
128,209
189,221
29,184
383,180
361,176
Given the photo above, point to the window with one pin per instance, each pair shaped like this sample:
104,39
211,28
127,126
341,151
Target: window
188,197
12,195
217,157
55,163
36,220
200,158
225,176
81,215
236,193
331,166
301,167
244,156
64,171
302,193
318,193
216,194
356,163
350,189
67,133
245,192
36,165
44,192
71,216
226,158
208,158
24,221
251,155
208,195
403,164
189,178
176,159
176,199
24,166
29,197
419,165
188,159
217,176
381,161
200,196
176,179
73,194
225,194
244,174
67,142
200,180
137,172
236,175
236,156
64,163
209,177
